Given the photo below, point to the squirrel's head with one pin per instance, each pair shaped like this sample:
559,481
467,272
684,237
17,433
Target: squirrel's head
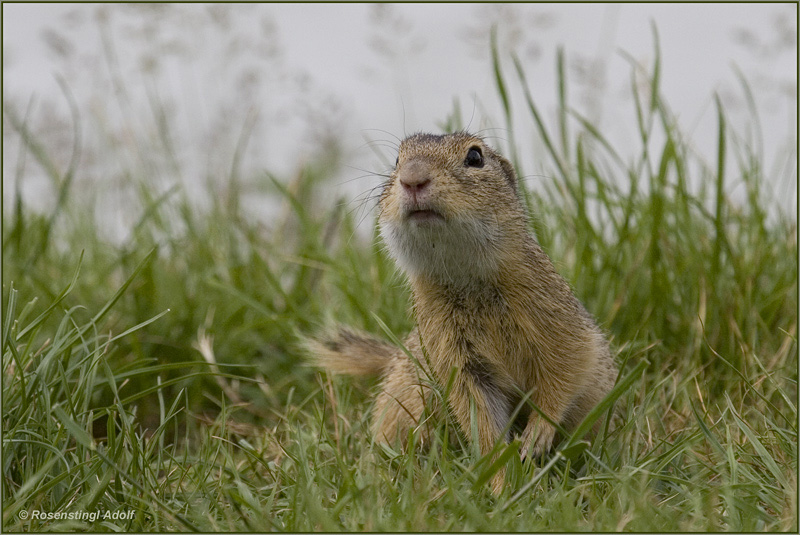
450,208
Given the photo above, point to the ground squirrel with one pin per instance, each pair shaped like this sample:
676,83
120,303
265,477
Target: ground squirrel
493,316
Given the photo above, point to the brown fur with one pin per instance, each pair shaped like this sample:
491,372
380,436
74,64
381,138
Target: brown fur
492,312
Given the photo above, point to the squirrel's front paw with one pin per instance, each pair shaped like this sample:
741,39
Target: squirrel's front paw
537,438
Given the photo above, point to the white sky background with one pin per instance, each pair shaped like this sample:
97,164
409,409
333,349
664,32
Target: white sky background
310,74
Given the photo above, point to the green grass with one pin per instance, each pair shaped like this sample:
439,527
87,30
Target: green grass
108,405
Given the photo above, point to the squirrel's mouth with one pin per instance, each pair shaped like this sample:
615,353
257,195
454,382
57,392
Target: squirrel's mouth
424,215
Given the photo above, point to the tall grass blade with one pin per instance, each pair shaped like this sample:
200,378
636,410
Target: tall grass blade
538,119
563,108
605,405
764,455
59,298
719,226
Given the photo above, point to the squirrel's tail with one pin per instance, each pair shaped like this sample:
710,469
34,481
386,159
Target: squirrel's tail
347,351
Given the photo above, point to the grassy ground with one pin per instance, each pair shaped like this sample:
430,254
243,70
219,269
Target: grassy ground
159,377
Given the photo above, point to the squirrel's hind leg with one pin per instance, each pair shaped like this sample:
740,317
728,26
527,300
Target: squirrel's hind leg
403,404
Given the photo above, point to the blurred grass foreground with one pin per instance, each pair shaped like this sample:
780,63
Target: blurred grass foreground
158,375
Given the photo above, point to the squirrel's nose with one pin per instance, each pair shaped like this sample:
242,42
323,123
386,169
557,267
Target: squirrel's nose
414,176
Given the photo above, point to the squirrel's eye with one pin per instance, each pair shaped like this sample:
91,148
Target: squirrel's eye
474,158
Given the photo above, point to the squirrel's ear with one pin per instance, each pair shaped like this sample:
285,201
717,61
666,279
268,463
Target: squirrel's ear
511,175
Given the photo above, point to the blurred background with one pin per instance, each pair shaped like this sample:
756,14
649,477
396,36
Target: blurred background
186,93
188,189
